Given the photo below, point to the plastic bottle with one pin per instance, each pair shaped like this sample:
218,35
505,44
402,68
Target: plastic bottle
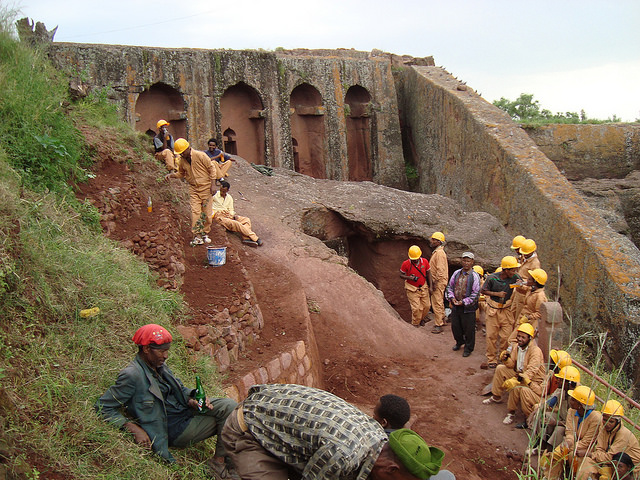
200,396
149,205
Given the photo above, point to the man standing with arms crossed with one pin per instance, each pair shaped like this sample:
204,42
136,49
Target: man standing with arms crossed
462,292
440,277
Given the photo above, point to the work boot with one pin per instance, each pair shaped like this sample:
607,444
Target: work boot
437,329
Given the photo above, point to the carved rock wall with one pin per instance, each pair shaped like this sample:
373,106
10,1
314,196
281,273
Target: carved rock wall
471,151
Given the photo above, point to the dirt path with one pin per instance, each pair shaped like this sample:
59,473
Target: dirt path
366,348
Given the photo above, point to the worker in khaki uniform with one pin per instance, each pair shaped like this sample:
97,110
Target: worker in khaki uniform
583,426
416,273
221,161
163,147
535,296
225,215
440,277
522,374
528,262
482,304
613,438
497,290
197,169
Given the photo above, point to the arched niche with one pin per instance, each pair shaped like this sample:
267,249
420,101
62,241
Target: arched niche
229,139
358,113
161,101
243,117
307,128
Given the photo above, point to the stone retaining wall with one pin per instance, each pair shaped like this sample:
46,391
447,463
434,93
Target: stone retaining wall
472,151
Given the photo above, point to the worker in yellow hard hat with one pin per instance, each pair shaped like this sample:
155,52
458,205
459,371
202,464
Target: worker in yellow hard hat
521,373
163,146
548,421
533,299
481,312
528,262
497,290
440,277
200,174
613,438
416,273
583,425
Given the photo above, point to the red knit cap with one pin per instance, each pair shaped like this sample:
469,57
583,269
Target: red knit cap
152,334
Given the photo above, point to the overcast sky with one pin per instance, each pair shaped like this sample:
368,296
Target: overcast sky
571,55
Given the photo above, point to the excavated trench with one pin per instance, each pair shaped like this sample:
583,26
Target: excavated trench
376,258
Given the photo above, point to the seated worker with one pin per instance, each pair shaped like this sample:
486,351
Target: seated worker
392,412
622,466
293,431
221,160
163,146
522,375
225,215
583,425
160,412
497,289
548,421
613,438
558,359
535,296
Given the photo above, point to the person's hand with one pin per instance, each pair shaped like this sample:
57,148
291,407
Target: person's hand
500,294
510,383
168,176
414,278
139,435
504,355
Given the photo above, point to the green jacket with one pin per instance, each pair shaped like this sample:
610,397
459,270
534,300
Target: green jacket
138,393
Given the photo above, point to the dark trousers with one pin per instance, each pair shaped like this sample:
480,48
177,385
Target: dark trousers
463,327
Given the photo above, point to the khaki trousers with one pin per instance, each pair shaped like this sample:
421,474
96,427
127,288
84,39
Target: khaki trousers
520,397
221,168
499,325
200,201
556,467
517,303
167,157
419,303
241,225
437,303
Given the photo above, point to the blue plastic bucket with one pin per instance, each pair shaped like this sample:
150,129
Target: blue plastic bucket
217,256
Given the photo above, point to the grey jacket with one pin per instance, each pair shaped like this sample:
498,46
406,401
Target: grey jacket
137,392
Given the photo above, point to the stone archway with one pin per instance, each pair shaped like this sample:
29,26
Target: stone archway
161,101
307,128
229,139
243,119
358,101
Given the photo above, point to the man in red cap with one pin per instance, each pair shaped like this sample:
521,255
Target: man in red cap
160,411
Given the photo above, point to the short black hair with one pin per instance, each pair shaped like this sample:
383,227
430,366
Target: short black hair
224,183
395,410
212,140
624,458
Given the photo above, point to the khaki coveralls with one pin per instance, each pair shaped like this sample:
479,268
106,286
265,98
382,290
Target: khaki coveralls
440,278
620,439
530,263
225,215
530,310
200,174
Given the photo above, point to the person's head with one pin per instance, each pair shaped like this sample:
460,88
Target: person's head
437,239
527,248
612,413
509,265
224,187
162,125
539,277
181,147
406,457
212,144
558,359
479,270
414,253
392,412
581,398
153,343
525,334
622,464
569,376
517,242
467,261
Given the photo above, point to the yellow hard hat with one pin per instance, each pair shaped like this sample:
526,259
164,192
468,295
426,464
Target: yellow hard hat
539,275
180,146
569,373
584,395
517,241
438,236
509,262
560,358
498,270
161,123
527,328
613,407
527,247
478,269
414,252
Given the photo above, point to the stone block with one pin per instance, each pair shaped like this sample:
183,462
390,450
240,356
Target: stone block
551,328
309,380
223,359
274,370
300,350
306,361
301,370
262,375
233,353
286,360
189,334
233,393
245,383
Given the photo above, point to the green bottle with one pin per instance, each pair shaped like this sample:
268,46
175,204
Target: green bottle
200,396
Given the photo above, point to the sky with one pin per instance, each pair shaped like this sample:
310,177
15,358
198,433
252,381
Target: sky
571,55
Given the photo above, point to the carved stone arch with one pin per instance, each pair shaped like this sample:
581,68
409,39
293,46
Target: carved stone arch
358,113
229,141
242,113
307,128
161,101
